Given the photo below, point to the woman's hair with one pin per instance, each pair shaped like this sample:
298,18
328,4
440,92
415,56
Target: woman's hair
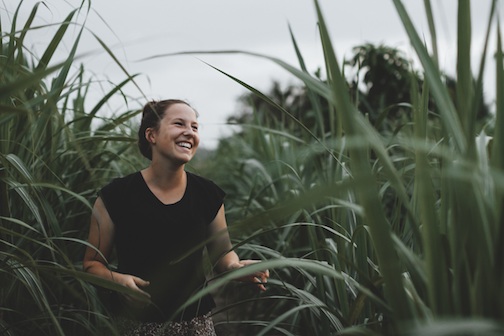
152,114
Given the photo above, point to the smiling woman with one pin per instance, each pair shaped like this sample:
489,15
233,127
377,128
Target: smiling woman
154,116
175,136
155,216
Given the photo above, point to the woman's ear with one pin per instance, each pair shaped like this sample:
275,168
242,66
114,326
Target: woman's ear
150,135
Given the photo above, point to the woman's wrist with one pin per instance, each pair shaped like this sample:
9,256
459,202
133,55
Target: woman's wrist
234,265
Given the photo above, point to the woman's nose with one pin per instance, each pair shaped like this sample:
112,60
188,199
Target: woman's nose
188,131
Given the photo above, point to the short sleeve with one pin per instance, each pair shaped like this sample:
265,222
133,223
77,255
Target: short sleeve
209,195
115,196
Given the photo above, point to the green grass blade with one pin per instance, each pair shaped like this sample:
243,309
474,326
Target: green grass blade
432,29
53,45
315,101
121,66
26,28
435,258
380,228
447,110
478,88
315,84
497,149
271,102
20,223
273,324
497,161
465,91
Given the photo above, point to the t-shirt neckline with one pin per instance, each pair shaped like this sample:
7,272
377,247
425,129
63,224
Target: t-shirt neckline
149,191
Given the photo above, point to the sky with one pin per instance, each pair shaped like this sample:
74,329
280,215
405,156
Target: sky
139,33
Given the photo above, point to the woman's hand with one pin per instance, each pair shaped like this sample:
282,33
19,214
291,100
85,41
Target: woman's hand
260,277
135,283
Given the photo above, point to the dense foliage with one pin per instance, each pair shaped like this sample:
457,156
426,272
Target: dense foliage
51,162
397,195
377,205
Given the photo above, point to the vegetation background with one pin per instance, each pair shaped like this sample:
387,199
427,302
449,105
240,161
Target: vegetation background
374,198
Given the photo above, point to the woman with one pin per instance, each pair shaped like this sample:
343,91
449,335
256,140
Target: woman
153,218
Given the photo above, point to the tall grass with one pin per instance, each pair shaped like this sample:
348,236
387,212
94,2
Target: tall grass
364,233
341,262
51,163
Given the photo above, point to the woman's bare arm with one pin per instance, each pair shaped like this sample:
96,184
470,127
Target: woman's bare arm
101,236
224,258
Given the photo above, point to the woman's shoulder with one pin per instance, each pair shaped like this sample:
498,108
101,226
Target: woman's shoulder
121,183
203,183
198,178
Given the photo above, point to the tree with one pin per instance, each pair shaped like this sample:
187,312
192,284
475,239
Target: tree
381,84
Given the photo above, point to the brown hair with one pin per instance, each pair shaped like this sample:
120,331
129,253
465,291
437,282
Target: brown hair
152,114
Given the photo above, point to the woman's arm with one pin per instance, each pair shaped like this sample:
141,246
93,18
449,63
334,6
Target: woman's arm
101,236
225,259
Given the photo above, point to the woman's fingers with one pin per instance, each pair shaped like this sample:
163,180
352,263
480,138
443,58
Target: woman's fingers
139,282
260,283
260,277
136,283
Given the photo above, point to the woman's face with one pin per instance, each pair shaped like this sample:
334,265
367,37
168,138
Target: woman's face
177,137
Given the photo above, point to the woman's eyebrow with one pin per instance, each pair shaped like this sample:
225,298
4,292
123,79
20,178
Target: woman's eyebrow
185,120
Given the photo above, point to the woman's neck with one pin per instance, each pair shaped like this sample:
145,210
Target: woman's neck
164,177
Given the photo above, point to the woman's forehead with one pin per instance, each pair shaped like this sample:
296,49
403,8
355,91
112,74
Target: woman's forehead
182,111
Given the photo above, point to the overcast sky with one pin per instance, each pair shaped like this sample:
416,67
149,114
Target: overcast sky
136,30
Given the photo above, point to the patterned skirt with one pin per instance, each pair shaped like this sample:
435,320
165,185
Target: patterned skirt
198,326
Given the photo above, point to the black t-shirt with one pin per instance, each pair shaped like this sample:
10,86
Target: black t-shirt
151,237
